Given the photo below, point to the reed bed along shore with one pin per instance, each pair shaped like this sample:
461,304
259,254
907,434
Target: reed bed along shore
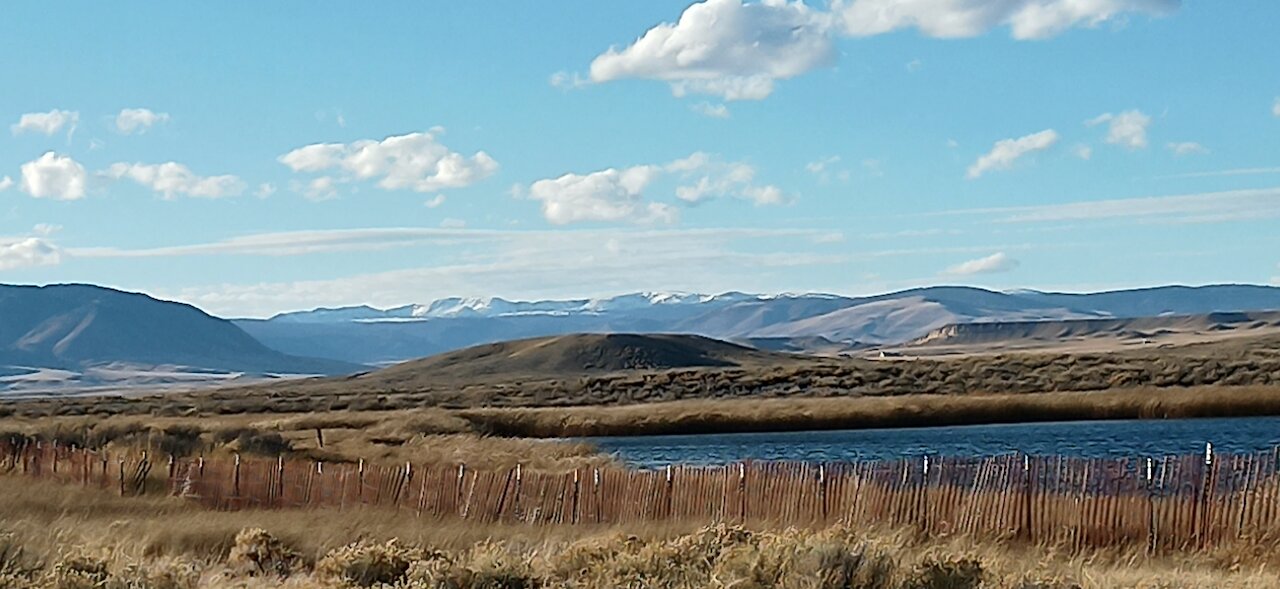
425,432
65,537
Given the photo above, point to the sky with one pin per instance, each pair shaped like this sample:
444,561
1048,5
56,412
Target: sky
253,158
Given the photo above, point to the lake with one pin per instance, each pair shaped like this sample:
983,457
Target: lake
1082,438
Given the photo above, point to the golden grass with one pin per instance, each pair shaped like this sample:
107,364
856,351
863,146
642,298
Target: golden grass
796,414
69,535
483,436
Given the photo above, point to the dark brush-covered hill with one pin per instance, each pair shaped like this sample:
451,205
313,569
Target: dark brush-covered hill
73,326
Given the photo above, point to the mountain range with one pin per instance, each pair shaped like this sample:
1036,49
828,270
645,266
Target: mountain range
792,322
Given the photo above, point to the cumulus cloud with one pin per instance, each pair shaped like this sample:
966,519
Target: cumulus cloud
1026,19
618,194
172,180
264,190
738,50
47,123
450,223
606,195
994,263
1007,151
434,201
715,111
27,252
6,183
705,177
1275,107
139,120
416,162
54,176
1127,129
1084,152
1182,148
726,48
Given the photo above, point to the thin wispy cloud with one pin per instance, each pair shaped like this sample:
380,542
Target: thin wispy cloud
1007,151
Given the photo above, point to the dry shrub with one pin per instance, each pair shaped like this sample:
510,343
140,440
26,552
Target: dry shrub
487,565
257,553
78,571
166,574
950,573
365,564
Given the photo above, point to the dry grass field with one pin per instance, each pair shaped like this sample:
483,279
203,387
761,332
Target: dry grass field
64,537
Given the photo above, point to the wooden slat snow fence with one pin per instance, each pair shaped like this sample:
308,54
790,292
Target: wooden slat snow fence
1182,502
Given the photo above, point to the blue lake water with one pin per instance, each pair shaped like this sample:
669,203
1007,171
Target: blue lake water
1085,439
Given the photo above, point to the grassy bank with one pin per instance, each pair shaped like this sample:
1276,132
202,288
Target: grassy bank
60,537
761,415
497,437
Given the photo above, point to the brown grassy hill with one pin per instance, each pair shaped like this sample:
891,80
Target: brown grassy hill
570,356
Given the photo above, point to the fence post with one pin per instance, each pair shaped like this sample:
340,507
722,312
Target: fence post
1202,505
1027,490
1152,532
235,478
742,492
360,482
595,477
172,466
122,483
577,487
822,488
462,476
279,486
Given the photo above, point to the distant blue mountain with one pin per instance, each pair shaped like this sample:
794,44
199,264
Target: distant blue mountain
366,335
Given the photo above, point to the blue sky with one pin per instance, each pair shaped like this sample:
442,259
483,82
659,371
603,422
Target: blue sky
253,158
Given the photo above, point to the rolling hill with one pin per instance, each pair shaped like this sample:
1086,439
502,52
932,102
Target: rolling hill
569,356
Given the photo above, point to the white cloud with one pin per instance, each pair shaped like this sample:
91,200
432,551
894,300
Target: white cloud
47,123
737,50
1275,107
618,194
715,111
414,162
568,81
46,229
172,180
1186,148
1084,152
322,188
997,262
819,166
265,190
434,201
1210,207
6,183
1007,151
914,66
1026,19
726,48
452,223
705,177
1217,173
28,252
1127,129
139,120
607,195
54,176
